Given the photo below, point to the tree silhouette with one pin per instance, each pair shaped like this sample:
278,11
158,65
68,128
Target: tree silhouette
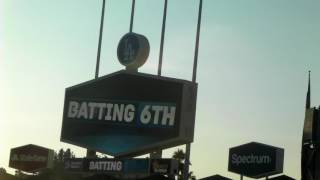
67,154
180,156
60,155
191,176
58,172
3,171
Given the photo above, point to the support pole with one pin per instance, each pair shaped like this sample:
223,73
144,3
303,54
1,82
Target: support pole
187,162
196,51
132,15
194,77
92,153
100,39
162,36
131,27
241,177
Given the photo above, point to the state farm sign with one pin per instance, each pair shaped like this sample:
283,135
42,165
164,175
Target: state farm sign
31,158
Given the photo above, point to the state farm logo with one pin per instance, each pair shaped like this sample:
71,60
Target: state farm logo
28,158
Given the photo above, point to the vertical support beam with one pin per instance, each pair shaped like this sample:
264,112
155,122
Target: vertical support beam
196,51
187,162
100,39
92,153
132,15
162,36
241,177
131,27
194,77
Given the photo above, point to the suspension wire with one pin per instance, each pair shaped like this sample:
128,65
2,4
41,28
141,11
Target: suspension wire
100,39
132,15
163,31
195,62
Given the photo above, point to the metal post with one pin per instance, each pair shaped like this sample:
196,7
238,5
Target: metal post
131,27
162,36
187,162
195,62
194,76
241,177
132,15
92,153
100,39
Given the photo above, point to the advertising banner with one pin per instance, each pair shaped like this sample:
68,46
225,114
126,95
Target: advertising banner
31,158
125,114
164,166
104,165
127,166
256,160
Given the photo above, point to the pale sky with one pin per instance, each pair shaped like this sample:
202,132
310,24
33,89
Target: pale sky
253,62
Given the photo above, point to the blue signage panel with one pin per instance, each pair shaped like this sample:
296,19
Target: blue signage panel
136,166
126,113
139,114
127,166
107,165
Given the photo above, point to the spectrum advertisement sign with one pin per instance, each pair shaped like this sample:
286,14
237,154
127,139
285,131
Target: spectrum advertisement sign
125,113
256,160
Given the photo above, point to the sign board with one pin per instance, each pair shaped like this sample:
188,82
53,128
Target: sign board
94,165
164,166
110,166
31,158
127,166
282,177
256,160
133,50
127,113
215,177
